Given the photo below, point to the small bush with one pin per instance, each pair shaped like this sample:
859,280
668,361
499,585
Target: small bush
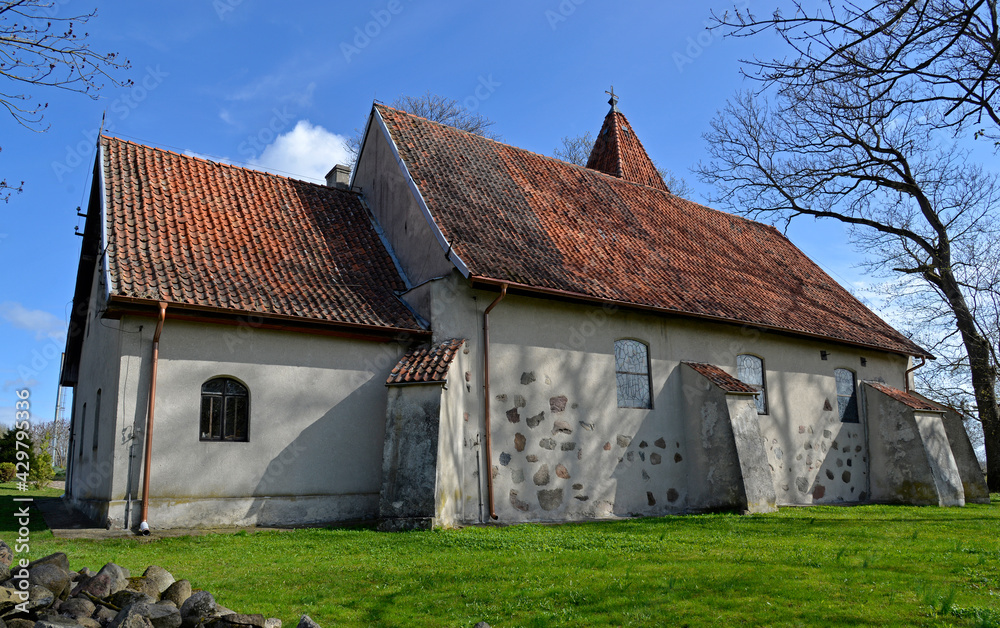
7,471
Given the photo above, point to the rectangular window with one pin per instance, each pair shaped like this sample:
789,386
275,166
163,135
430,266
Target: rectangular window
750,371
847,395
632,373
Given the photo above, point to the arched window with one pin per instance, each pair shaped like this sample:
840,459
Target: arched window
750,370
847,395
632,373
225,410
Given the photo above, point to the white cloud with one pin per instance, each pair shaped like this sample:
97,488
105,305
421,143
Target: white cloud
19,383
42,324
212,158
227,117
306,152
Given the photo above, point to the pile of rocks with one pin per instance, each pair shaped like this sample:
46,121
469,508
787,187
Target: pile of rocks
47,594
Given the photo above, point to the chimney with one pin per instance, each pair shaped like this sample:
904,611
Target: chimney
339,177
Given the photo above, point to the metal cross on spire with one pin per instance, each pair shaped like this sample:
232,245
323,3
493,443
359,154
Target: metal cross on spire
614,99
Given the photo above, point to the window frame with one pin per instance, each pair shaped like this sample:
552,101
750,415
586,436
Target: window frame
853,397
648,375
763,408
222,400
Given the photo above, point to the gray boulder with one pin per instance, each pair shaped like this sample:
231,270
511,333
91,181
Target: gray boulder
87,622
118,574
201,605
159,576
161,616
50,575
97,586
104,615
77,607
144,585
239,620
306,622
130,620
178,592
272,622
39,597
59,559
56,622
19,622
126,597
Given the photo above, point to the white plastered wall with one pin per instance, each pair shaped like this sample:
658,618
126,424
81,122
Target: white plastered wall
317,416
599,460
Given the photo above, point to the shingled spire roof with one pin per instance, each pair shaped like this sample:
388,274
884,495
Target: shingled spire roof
619,152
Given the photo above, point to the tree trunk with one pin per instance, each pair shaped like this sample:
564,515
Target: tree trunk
984,376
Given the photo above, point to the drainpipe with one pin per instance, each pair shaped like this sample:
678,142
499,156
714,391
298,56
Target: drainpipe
144,526
486,387
906,376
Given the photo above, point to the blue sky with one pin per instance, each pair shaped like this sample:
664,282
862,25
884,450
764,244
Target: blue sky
281,86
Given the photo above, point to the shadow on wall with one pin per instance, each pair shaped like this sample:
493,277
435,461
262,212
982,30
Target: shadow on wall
654,468
331,471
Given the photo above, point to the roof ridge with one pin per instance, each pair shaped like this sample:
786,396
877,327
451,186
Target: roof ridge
220,163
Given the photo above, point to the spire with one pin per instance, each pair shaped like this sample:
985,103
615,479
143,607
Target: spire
619,152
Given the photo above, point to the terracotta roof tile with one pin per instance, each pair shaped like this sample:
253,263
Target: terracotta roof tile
720,378
197,233
516,216
619,152
904,397
426,364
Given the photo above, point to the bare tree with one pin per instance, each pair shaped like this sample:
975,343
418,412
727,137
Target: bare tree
435,108
54,435
576,150
38,48
839,132
910,52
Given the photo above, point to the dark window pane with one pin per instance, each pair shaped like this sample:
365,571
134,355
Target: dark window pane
240,427
206,417
213,386
216,414
233,387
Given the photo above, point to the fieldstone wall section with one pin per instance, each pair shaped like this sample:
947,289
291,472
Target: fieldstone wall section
911,457
48,594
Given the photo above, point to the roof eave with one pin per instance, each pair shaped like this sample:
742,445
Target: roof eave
515,287
121,305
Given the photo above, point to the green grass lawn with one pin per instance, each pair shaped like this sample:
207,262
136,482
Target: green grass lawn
820,566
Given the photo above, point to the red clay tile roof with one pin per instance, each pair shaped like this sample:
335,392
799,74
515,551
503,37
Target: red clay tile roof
519,217
619,152
904,397
722,379
425,365
197,233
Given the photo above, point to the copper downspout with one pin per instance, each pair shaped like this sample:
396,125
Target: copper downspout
906,376
144,526
486,387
